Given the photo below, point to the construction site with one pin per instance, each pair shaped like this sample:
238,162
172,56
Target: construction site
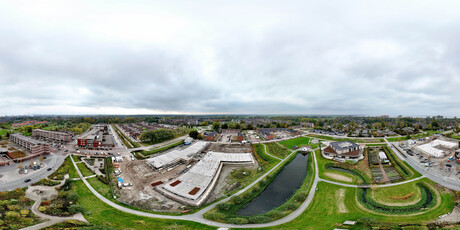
183,177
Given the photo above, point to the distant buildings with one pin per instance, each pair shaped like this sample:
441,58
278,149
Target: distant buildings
276,133
34,146
27,123
52,135
97,138
342,150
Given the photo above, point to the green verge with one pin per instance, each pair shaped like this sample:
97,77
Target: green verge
145,154
403,167
325,213
226,212
99,213
85,171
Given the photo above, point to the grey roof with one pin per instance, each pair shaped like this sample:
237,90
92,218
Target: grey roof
342,145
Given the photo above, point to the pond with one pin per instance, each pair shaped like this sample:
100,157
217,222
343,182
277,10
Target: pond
280,189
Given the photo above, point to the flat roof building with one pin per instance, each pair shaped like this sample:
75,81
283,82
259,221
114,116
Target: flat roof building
96,138
34,146
52,135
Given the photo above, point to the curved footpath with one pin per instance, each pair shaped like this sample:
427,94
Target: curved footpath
198,216
31,193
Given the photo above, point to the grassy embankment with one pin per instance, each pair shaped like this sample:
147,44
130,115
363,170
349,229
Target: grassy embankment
333,204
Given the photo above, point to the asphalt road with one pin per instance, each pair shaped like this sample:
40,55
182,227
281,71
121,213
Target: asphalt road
53,161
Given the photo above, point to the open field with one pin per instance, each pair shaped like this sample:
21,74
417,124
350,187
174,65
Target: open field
296,142
397,195
277,150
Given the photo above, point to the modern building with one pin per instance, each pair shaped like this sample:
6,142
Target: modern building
34,146
342,150
96,138
383,157
52,135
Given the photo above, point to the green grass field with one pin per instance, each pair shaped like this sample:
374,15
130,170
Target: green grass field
85,171
277,150
394,194
72,171
296,142
101,214
355,140
266,161
333,204
100,187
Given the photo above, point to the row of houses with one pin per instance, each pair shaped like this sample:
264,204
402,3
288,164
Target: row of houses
27,123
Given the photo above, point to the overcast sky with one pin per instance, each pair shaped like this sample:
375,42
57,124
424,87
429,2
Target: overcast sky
237,57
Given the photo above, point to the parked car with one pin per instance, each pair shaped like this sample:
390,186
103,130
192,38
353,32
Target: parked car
26,180
49,169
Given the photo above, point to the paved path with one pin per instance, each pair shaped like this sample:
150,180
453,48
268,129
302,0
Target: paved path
266,152
368,186
48,192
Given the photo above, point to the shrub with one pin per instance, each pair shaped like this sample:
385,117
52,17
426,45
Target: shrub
300,196
73,209
274,214
290,206
12,215
224,206
259,219
238,220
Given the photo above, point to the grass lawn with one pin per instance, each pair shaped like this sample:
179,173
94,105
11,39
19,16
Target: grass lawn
101,214
266,161
85,171
296,142
277,150
356,140
76,158
400,194
72,171
101,188
329,208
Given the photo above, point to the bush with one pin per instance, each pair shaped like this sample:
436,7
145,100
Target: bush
12,215
259,219
290,206
238,220
224,206
300,197
73,209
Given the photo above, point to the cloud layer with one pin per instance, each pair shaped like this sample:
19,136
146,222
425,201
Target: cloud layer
339,57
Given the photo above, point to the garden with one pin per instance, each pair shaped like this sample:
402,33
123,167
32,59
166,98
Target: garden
15,210
65,204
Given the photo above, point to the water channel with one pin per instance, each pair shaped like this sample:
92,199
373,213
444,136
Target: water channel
280,189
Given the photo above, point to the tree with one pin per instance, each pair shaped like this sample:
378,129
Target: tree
193,134
224,126
216,126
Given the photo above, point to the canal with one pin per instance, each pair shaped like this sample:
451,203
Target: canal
280,189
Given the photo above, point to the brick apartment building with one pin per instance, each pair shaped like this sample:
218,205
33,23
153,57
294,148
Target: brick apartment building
96,138
52,135
34,146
